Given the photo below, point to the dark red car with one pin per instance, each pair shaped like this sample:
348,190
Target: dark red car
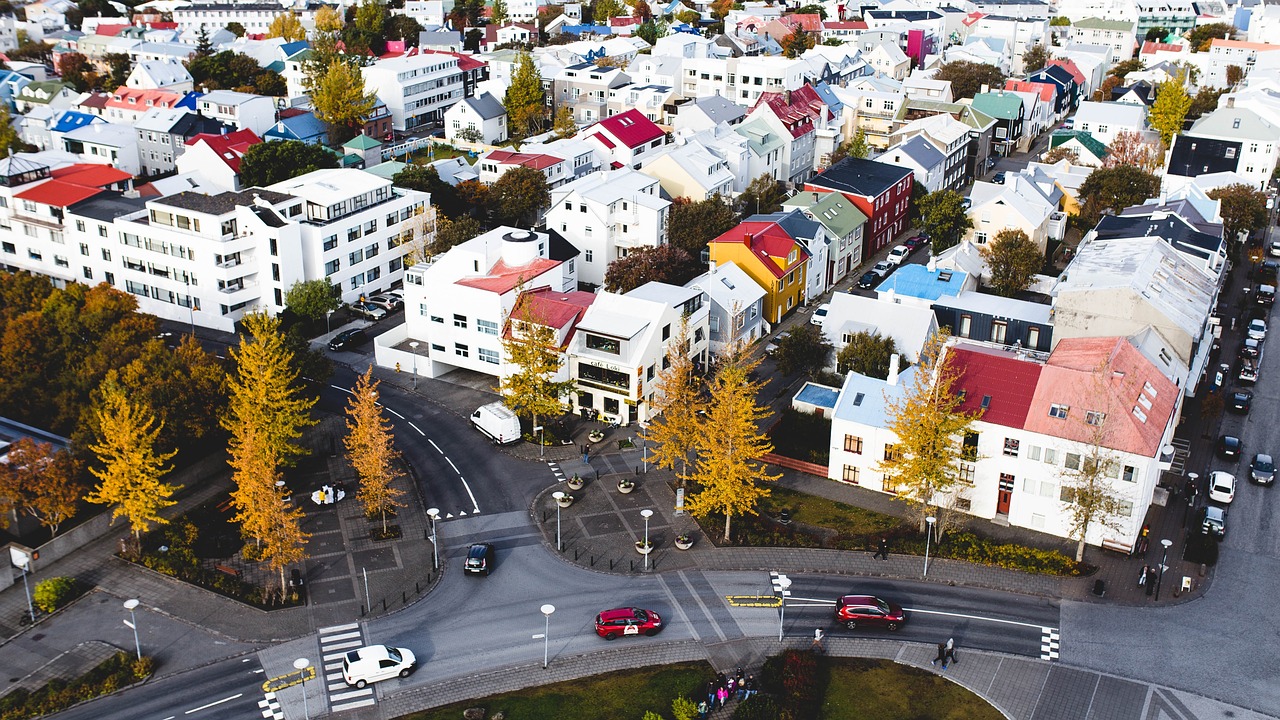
853,611
627,621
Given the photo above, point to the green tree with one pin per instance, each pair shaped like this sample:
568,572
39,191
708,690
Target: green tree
1243,209
520,195
371,449
676,405
328,20
688,17
10,141
812,10
1202,36
662,263
532,350
1156,34
796,43
52,593
727,471
403,27
287,26
427,179
692,225
1035,58
340,99
944,218
855,147
651,31
1205,101
499,15
929,424
525,98
1014,261
272,162
967,78
127,466
605,9
118,67
1124,67
1115,189
564,126
204,48
805,350
311,299
866,353
1170,108
763,195
1060,21
450,233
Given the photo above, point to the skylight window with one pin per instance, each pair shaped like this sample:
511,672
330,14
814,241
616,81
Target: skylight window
1059,411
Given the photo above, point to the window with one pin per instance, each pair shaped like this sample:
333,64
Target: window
1059,411
966,324
486,327
1130,474
461,350
331,242
1033,452
80,225
999,329
980,238
666,331
850,475
332,267
1011,447
890,453
963,504
84,249
853,444
460,321
1095,418
437,319
437,348
588,256
1033,338
487,355
1074,461
1050,456
604,344
966,473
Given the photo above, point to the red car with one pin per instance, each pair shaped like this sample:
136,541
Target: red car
855,610
627,621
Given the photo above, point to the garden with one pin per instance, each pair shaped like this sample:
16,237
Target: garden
116,672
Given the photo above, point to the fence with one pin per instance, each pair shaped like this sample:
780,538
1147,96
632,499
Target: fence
793,464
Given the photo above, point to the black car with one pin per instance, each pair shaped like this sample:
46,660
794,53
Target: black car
1268,270
868,280
348,339
1240,401
479,559
1213,521
1230,447
998,178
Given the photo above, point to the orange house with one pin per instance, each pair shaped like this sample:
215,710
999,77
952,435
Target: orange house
771,257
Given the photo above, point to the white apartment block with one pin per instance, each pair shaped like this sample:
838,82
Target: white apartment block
255,17
417,89
606,215
743,79
245,111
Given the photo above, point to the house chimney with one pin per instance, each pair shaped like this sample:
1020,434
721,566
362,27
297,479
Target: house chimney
1231,101
892,379
986,88
933,264
746,238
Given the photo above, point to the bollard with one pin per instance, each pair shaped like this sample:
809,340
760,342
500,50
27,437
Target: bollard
633,565
610,563
417,588
362,611
404,598
593,561
384,604
575,554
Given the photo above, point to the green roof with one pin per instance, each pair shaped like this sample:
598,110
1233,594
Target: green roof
759,135
999,105
1089,142
976,119
1094,23
52,87
388,169
361,142
832,210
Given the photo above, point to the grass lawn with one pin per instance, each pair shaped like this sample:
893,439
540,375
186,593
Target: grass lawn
848,520
881,690
624,695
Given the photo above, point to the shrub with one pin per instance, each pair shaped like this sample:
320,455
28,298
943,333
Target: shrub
682,708
757,707
110,675
651,715
55,592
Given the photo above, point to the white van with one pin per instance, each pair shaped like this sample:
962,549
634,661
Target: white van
498,422
376,662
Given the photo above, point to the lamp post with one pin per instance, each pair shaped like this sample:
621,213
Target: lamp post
646,513
414,346
644,446
542,436
546,633
191,304
927,538
328,321
301,665
780,584
1163,557
434,513
558,495
132,604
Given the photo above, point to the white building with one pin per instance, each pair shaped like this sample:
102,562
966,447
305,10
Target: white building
482,114
607,215
416,88
255,17
737,306
1105,120
244,111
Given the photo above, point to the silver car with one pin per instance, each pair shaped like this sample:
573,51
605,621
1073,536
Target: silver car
368,310
1263,469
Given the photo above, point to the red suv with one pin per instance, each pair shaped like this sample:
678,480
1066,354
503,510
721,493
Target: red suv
855,610
627,621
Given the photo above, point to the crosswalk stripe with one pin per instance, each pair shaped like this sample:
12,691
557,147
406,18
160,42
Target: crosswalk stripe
343,636
1050,643
341,645
351,705
338,628
366,692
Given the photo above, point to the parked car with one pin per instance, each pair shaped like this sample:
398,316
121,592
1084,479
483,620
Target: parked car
915,242
1222,487
1230,447
397,294
1251,349
479,559
882,268
820,314
1213,521
1268,270
868,280
1248,371
1274,249
348,339
618,622
1257,329
376,662
853,611
998,178
387,302
1265,295
1240,401
1263,469
898,255
368,310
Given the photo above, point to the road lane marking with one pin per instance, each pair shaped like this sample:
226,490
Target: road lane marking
216,702
1037,626
450,461
415,427
393,412
1050,643
434,445
342,389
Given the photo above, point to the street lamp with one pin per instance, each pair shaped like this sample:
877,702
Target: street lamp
414,346
1164,557
644,446
328,321
301,665
646,513
558,495
132,604
434,514
928,536
546,632
780,584
542,436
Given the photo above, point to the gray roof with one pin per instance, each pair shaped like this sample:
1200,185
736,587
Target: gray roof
107,206
720,109
921,151
486,106
222,203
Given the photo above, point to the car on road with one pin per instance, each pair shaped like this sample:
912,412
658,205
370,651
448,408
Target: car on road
1251,349
915,242
618,622
1263,469
854,611
1222,487
869,279
1230,447
387,302
397,294
1248,371
479,559
376,662
1265,295
1268,270
348,339
1274,249
998,178
1213,521
882,268
1257,329
820,314
368,310
898,255
1240,401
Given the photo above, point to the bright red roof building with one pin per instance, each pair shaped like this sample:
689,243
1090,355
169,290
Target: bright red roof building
139,100
536,161
797,110
769,243
91,175
1069,66
997,384
59,193
1046,90
504,278
631,128
230,147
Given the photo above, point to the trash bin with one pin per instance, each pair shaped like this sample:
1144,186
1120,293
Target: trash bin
1100,587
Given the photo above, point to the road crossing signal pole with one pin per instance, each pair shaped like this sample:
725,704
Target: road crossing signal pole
780,584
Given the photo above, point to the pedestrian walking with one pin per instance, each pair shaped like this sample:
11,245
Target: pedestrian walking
883,551
711,694
950,654
817,641
1151,580
703,710
751,685
741,685
941,657
1142,578
722,696
731,686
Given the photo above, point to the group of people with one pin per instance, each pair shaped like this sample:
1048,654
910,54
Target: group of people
946,653
722,688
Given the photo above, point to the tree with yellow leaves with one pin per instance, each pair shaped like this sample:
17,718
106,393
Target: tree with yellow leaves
41,481
370,447
285,542
531,349
676,430
339,97
129,468
328,20
287,26
728,472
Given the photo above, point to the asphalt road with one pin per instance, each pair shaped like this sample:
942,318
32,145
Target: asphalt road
228,689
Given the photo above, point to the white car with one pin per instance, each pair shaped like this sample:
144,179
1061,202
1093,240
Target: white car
1222,487
376,662
1274,249
820,314
1258,329
898,255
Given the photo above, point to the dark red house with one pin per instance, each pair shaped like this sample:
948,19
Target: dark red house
881,191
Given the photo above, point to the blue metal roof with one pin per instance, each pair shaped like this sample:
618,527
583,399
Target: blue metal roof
188,101
818,395
918,281
71,119
307,128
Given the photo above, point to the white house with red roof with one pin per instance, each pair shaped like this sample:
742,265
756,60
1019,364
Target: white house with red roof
607,215
216,158
493,164
1042,420
126,104
798,117
625,140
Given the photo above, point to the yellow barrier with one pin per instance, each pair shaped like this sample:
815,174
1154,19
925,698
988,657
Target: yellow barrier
766,601
276,684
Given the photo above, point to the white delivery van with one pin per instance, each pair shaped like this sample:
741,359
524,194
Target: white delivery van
376,662
498,422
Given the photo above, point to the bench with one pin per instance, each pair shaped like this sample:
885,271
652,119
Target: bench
1117,546
228,570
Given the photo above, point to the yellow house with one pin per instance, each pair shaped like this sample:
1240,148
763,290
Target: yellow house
774,259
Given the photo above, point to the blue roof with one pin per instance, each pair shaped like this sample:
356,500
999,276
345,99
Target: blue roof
917,281
307,128
292,48
580,29
71,119
863,399
818,395
188,101
829,97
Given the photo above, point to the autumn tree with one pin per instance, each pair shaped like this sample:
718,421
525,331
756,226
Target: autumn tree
287,26
1035,58
676,429
923,464
1202,36
1109,83
339,98
40,481
311,299
796,42
605,9
370,447
805,350
867,353
967,78
520,195
763,195
661,263
1205,101
728,473
855,147
564,126
944,218
1243,209
1115,189
271,162
128,466
328,20
1013,260
451,233
1128,148
691,225
499,15
1170,108
525,99
641,11
1087,490
720,8
1062,152
532,389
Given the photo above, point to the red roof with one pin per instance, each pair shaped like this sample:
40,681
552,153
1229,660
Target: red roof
1046,90
552,308
94,100
623,21
110,30
604,140
845,25
58,192
142,100
1070,67
631,128
616,165
230,147
503,278
1003,382
770,243
529,160
797,109
90,175
163,25
809,22
1150,47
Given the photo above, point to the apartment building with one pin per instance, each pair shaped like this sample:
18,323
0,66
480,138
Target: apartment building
607,215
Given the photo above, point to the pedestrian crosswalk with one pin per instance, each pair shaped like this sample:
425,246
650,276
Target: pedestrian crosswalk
1050,641
271,707
335,642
